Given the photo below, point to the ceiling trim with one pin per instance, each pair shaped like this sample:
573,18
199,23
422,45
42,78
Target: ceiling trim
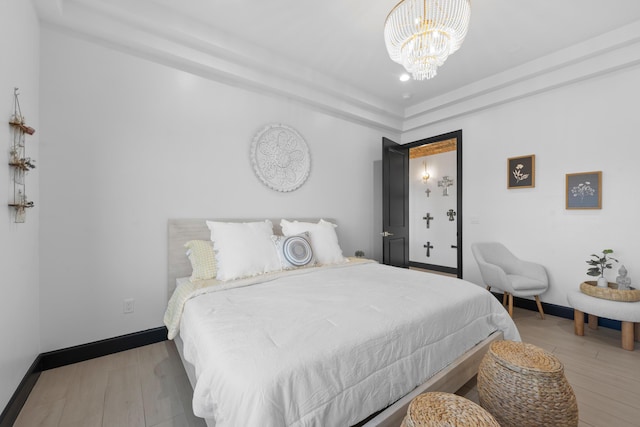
199,49
611,52
156,37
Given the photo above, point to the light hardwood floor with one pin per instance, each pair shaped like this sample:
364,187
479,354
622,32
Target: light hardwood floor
148,387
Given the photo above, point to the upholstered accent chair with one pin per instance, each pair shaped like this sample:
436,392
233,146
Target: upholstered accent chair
503,270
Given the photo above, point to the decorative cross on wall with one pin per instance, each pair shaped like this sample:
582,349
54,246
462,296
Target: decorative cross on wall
451,213
427,191
445,182
428,218
429,246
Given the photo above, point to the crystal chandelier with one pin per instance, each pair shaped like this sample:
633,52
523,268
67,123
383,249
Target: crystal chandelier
421,34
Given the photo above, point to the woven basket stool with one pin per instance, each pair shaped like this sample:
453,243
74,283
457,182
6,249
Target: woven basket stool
522,385
446,410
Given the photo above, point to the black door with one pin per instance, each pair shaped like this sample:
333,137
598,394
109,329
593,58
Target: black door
395,204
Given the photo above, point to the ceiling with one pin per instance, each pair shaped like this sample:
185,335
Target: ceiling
338,45
344,39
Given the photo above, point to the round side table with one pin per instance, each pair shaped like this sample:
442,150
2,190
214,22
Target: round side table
522,385
626,312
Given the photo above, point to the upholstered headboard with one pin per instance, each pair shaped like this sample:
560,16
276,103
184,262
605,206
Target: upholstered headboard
183,230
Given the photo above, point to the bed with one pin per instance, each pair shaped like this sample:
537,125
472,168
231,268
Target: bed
348,343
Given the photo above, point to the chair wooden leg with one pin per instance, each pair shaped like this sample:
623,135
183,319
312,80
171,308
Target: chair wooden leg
504,299
539,307
511,305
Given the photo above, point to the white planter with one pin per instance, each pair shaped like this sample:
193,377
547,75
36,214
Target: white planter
602,282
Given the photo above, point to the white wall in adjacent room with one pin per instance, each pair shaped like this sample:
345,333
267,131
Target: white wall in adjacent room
587,126
442,233
19,316
131,143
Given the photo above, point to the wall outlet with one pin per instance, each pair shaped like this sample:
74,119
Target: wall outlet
128,306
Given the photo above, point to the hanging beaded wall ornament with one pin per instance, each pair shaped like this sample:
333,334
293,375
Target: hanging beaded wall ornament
19,161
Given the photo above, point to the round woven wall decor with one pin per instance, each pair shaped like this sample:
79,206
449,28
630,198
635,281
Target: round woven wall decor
280,157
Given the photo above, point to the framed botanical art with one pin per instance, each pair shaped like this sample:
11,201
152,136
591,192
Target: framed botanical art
521,172
584,190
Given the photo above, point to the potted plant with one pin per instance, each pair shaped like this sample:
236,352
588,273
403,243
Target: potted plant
599,264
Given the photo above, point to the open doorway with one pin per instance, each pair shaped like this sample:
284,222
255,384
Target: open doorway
405,233
433,207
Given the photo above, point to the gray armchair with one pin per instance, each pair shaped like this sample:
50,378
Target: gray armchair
503,270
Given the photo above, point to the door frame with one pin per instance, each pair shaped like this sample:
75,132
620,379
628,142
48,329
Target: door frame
458,136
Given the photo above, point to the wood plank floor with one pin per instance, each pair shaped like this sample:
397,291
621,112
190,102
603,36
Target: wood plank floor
143,387
147,386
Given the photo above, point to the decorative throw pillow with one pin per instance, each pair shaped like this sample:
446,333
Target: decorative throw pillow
202,258
324,240
294,251
243,249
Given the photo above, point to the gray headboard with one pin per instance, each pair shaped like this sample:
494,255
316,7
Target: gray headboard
183,230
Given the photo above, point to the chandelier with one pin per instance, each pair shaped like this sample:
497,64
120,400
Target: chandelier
421,34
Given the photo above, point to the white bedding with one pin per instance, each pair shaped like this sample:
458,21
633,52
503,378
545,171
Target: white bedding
331,345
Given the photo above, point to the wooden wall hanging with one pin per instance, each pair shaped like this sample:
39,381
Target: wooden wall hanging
18,160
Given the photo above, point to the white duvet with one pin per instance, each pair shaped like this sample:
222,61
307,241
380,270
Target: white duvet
330,346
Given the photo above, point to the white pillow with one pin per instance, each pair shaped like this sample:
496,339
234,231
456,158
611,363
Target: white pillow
324,240
243,249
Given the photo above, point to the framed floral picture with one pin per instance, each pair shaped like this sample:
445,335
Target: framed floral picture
521,172
584,190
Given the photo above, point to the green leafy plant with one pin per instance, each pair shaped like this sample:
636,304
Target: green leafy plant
600,263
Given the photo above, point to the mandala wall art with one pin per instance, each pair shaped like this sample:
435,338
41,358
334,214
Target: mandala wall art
280,157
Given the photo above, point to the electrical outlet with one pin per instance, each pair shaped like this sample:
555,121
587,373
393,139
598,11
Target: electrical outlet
128,305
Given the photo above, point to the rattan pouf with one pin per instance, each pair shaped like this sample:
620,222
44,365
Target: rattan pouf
446,410
523,385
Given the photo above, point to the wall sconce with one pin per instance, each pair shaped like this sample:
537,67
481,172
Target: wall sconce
425,174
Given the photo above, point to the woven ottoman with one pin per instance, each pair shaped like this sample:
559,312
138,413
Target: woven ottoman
445,409
522,385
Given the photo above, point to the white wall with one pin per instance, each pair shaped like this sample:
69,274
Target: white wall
588,126
127,144
19,316
131,143
441,233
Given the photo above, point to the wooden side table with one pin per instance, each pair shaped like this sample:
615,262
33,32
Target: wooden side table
626,312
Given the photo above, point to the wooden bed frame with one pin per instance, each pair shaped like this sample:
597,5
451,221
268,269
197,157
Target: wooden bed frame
450,379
